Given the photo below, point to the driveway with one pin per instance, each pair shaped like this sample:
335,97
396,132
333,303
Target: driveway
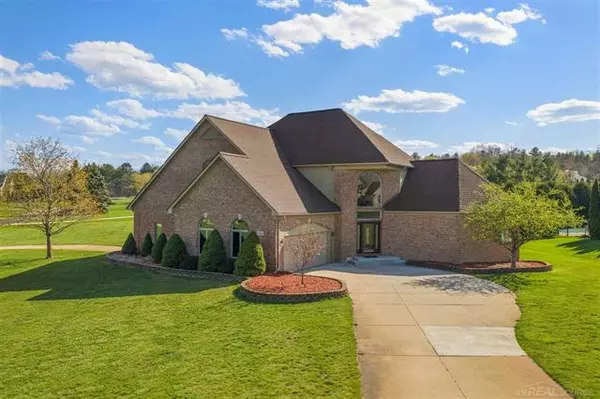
423,333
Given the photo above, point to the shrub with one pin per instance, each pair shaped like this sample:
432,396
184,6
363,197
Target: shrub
147,245
251,259
213,257
157,249
189,263
129,247
174,252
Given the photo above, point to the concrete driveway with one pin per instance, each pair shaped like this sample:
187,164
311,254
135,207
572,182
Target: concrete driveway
423,333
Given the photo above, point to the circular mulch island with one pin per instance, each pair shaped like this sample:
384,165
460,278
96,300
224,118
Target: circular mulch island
287,288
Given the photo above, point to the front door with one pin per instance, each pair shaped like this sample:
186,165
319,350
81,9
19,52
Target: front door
368,237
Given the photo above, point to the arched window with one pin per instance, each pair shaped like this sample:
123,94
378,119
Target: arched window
205,227
369,190
239,231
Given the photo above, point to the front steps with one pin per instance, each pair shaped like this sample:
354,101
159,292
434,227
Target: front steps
375,260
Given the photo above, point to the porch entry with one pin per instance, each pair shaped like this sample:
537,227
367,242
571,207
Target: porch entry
368,237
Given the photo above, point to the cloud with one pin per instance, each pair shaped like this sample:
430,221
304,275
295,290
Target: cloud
411,145
179,134
232,34
566,111
118,120
132,157
554,150
88,139
122,67
511,123
74,148
471,145
460,46
154,142
14,74
48,56
444,70
351,25
271,49
235,110
278,4
50,119
134,109
376,126
489,10
483,28
398,100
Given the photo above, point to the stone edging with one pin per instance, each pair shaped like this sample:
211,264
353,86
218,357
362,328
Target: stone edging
116,257
455,268
249,294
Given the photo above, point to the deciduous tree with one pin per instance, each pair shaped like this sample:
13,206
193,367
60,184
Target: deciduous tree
304,248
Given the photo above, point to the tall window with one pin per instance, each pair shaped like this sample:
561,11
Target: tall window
239,231
157,230
205,227
369,189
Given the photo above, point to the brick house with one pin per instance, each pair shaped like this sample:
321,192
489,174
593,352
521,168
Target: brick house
360,192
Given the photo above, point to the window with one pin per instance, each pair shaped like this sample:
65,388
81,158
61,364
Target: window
205,227
369,190
239,231
157,230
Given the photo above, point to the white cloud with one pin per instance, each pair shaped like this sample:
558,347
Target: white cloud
50,119
352,25
134,109
235,110
483,28
518,15
489,10
271,49
14,74
460,46
376,126
179,134
132,157
88,139
411,145
154,142
394,101
232,34
554,150
74,148
48,56
279,4
120,66
511,123
471,145
118,120
566,111
444,70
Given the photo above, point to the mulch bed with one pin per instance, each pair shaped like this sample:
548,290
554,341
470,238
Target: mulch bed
488,268
288,283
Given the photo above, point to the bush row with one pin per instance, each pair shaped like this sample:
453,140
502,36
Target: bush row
172,253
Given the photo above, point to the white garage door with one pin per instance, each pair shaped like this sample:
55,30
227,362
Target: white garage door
290,264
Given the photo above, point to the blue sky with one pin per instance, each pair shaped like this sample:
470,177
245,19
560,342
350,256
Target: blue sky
123,81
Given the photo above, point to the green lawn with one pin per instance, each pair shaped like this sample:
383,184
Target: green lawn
106,232
560,321
78,326
117,208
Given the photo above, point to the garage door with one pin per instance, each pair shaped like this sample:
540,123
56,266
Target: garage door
290,264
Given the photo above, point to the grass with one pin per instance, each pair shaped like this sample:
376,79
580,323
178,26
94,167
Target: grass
560,321
77,326
7,210
117,208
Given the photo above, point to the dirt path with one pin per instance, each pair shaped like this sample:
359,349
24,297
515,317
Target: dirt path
84,247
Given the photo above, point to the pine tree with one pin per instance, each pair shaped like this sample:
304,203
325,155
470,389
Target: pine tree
97,187
594,219
147,245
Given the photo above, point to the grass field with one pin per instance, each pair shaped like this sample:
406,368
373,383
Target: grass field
560,321
117,208
78,326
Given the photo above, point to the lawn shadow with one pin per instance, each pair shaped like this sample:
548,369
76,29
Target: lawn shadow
95,277
583,246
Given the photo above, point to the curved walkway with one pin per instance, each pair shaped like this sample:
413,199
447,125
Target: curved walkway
74,247
424,333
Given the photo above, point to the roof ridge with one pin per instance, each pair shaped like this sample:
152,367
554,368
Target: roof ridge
436,159
354,120
238,122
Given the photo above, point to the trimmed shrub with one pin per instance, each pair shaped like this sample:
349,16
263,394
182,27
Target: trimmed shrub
147,245
189,263
594,217
213,257
129,247
174,252
251,259
157,248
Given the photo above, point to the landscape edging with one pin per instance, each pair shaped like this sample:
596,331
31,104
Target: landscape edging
176,272
456,268
252,295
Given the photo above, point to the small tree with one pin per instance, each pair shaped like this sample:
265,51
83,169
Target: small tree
594,218
174,252
513,217
157,248
97,187
129,247
53,195
147,245
214,257
304,248
251,259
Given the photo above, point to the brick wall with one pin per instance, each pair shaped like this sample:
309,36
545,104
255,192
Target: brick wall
330,222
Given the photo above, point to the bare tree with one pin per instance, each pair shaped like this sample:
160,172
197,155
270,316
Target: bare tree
304,248
52,193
